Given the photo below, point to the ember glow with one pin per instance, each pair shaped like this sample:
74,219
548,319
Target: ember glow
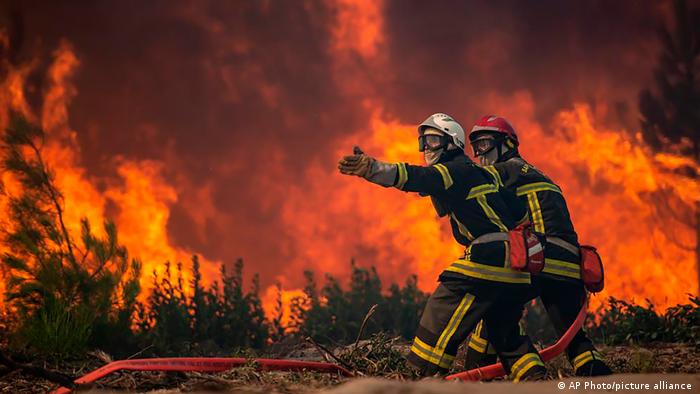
217,132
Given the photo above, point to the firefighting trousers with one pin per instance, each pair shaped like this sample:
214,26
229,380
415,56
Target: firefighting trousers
452,312
562,300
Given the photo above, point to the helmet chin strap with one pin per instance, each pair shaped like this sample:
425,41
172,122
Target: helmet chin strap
500,151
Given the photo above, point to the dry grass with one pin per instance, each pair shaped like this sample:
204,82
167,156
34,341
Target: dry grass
380,356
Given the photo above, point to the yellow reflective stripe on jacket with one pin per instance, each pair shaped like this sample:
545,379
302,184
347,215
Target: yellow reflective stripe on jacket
446,178
585,357
427,353
530,190
537,187
403,175
493,217
478,191
535,212
524,364
562,268
462,228
487,272
494,173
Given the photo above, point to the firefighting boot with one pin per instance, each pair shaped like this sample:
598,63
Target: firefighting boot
528,367
477,359
590,363
538,372
479,351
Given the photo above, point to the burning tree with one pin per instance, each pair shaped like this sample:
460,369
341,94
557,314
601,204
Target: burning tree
60,288
671,112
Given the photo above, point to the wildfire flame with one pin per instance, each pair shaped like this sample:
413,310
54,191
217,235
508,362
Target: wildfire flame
613,183
608,177
141,196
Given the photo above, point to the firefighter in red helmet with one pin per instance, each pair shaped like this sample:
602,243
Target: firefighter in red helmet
559,285
479,285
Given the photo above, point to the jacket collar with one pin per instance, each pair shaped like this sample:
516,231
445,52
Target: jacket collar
451,155
509,155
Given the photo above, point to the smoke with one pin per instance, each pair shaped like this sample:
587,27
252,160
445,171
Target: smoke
238,111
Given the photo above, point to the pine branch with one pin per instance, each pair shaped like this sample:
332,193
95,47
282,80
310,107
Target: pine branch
54,196
323,351
362,327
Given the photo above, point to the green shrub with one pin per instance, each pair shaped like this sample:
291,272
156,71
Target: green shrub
57,331
683,322
179,318
621,322
56,281
334,315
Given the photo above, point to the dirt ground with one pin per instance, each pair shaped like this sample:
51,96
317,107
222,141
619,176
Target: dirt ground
676,383
625,382
671,363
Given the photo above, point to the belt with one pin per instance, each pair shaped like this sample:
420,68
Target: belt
563,244
490,237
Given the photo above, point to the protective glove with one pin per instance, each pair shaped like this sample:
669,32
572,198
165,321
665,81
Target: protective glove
358,164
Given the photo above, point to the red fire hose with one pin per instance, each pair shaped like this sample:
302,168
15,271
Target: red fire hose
203,364
496,370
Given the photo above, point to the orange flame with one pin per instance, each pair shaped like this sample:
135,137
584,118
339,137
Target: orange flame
611,180
141,196
608,177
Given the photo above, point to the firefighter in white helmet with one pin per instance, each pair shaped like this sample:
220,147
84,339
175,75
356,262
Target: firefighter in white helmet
480,284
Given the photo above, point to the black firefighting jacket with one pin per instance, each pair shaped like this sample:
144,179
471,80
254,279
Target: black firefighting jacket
547,209
467,193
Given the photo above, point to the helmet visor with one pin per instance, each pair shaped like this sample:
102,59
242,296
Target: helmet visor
483,145
431,142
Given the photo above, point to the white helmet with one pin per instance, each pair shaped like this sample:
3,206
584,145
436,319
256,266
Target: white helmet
447,125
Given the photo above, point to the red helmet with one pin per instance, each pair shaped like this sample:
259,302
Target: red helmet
494,124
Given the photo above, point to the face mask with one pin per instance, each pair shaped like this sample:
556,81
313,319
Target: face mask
432,156
483,145
489,158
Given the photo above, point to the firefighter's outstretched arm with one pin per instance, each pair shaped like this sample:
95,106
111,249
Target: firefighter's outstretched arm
362,165
432,180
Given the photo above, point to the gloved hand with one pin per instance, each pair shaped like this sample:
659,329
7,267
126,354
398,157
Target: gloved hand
358,164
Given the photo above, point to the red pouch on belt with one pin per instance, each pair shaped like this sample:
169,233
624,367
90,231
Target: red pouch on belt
592,273
526,249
